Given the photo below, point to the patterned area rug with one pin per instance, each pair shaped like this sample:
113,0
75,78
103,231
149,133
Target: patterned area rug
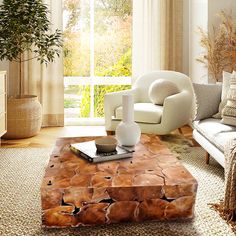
177,143
21,174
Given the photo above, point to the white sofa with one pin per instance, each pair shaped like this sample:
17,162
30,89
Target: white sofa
209,132
212,135
175,112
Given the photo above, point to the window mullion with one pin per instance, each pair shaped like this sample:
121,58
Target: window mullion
92,58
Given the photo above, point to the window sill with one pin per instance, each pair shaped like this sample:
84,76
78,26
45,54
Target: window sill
84,121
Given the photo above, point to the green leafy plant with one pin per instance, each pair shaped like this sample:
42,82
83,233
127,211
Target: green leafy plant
70,103
121,68
25,28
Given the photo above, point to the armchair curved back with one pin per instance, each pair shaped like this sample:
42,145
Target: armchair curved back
143,83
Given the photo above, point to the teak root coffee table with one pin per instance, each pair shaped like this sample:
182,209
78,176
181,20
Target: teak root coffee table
152,185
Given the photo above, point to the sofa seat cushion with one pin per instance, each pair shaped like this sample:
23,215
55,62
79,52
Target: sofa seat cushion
143,112
216,132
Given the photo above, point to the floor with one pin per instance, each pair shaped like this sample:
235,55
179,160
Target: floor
48,136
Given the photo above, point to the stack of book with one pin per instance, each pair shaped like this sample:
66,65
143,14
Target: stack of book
88,151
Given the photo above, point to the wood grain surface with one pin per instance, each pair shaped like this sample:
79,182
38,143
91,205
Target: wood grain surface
152,185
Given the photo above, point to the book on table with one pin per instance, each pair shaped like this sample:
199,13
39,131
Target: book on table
88,151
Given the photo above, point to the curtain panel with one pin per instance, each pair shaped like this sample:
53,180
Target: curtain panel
157,36
45,81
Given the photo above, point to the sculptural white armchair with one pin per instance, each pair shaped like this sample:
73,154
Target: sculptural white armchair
173,114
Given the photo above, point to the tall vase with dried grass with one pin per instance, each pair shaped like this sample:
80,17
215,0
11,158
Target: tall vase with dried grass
25,30
220,46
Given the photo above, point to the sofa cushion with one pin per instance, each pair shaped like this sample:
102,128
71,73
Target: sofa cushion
229,111
143,112
216,132
225,89
208,97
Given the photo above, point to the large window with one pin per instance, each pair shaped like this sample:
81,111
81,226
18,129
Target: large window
97,54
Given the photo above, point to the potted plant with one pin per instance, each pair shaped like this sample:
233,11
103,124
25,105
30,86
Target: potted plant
25,29
220,47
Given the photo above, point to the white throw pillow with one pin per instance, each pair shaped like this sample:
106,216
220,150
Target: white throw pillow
226,84
225,88
229,111
160,89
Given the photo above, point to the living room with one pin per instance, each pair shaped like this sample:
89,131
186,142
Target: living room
148,86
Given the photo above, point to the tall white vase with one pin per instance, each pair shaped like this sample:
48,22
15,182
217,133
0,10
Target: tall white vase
128,132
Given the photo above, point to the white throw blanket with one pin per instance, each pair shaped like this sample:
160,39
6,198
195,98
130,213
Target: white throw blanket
230,180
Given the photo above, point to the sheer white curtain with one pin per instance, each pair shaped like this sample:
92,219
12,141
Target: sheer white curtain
157,35
45,82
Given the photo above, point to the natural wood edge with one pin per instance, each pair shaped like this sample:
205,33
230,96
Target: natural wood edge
180,130
207,158
195,143
109,132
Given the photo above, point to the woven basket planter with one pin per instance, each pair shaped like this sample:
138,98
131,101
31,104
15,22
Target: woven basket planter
24,117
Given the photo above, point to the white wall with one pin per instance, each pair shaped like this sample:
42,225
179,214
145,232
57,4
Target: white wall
215,6
198,13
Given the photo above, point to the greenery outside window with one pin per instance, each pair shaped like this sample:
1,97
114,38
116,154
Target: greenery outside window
97,54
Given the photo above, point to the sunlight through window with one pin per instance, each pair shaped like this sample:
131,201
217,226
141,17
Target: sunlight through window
97,54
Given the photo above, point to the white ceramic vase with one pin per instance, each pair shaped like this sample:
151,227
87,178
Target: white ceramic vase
128,132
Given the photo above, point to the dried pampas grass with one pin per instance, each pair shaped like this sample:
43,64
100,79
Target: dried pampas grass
220,46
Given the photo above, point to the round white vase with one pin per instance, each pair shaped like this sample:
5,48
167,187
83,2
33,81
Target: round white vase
128,132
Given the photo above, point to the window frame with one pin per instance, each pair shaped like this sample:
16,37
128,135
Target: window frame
93,80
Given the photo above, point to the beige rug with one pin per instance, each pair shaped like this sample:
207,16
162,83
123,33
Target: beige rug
21,172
